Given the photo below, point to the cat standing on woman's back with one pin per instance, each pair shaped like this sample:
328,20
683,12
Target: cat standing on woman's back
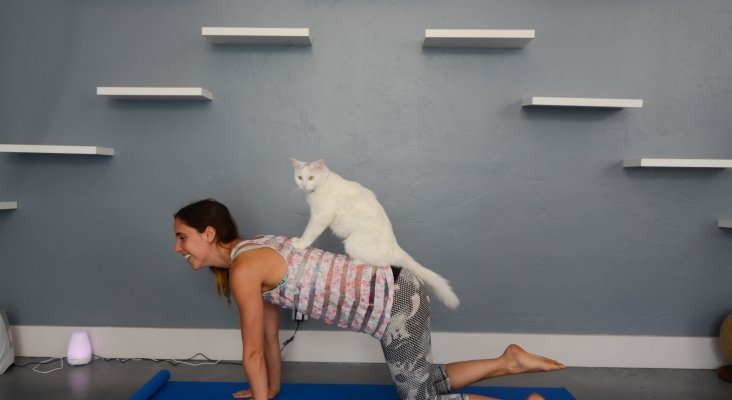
353,213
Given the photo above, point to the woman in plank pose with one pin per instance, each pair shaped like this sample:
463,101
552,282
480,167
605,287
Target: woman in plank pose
386,302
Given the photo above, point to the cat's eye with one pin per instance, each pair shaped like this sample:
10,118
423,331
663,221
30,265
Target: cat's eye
311,178
299,177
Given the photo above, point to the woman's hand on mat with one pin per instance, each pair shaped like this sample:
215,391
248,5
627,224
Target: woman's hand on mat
247,394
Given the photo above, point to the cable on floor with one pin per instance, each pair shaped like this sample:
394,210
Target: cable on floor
174,362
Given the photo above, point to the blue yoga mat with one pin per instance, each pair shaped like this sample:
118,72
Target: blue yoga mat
160,388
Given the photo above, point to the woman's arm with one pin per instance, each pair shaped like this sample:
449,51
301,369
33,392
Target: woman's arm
272,347
271,353
246,277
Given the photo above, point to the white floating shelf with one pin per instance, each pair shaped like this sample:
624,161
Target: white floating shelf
154,93
676,163
725,223
257,36
495,38
580,102
8,205
28,148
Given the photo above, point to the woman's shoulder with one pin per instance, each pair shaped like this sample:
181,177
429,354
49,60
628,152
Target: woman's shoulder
250,247
271,237
258,257
249,257
272,240
256,249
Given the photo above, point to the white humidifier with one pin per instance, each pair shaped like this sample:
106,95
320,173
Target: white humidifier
79,351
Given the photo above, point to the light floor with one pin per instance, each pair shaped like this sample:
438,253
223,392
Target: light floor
118,380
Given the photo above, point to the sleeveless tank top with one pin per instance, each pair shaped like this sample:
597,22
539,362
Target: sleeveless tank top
329,287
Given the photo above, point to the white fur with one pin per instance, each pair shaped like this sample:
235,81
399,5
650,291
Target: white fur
354,214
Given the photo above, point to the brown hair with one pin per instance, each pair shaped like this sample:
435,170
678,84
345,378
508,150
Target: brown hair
209,212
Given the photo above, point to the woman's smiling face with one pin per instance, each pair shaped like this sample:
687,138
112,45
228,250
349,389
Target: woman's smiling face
193,245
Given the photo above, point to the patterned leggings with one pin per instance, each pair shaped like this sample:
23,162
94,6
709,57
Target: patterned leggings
408,348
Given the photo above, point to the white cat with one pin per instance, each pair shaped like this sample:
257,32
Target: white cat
353,213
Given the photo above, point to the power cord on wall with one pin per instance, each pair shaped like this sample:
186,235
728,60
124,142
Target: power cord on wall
288,341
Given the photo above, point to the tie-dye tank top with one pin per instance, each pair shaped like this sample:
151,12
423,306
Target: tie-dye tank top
329,287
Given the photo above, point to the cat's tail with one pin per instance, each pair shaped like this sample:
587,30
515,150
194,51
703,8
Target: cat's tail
439,285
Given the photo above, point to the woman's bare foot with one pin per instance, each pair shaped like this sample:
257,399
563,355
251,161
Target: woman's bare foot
535,396
520,361
514,360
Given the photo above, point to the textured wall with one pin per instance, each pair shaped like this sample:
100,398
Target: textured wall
527,211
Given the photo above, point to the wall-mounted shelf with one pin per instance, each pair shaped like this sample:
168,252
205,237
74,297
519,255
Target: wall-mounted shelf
580,102
155,93
43,149
8,205
490,38
725,223
257,36
676,163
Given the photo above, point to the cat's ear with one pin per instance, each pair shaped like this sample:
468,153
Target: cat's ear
318,164
296,163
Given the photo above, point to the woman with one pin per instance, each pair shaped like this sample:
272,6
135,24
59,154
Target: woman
391,304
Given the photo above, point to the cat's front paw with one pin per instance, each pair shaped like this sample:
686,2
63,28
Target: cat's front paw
298,243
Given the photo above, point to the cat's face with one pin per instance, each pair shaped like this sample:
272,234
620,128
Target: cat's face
308,175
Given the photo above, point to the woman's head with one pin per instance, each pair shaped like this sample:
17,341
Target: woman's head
201,228
210,213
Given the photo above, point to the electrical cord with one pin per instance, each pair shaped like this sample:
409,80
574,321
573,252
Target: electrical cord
173,362
39,363
288,341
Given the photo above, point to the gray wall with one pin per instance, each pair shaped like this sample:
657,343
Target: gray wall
528,212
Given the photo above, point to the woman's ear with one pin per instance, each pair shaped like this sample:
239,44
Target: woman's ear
210,234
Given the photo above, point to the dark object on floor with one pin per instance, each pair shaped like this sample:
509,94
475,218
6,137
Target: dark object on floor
725,373
725,338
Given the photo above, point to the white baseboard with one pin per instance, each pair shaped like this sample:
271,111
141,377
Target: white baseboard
344,346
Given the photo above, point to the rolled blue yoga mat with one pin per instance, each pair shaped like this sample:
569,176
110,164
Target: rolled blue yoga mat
148,390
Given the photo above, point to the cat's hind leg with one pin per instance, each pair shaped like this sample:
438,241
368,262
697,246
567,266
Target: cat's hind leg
362,250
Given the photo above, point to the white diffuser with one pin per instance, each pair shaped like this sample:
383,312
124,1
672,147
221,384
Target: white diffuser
79,351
